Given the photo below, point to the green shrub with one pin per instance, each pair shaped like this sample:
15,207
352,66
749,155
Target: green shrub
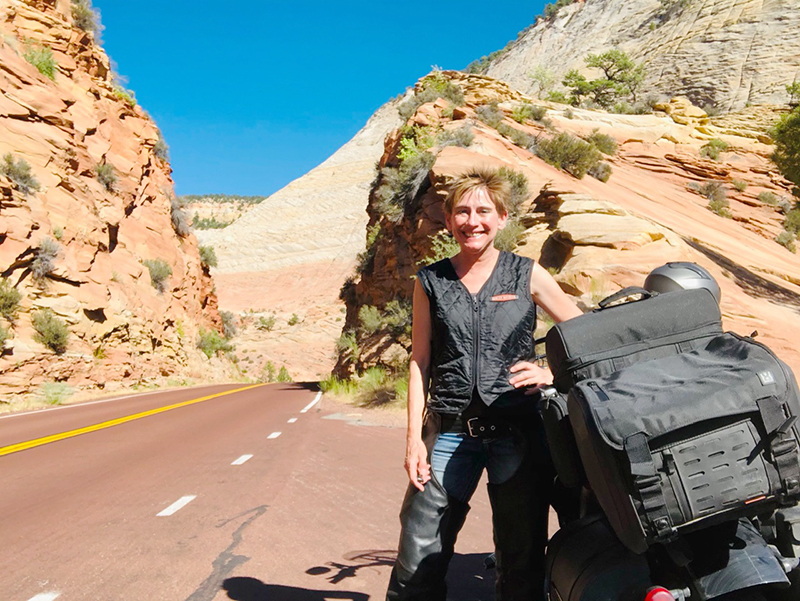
4,335
19,172
347,347
267,372
85,17
208,223
793,89
461,137
160,271
9,300
768,198
397,317
519,188
106,175
792,221
41,57
211,342
161,148
442,246
717,198
283,375
786,239
228,324
337,387
712,148
559,97
787,147
43,262
739,184
434,86
490,114
517,137
602,171
58,233
603,142
508,238
180,221
266,323
124,94
294,319
54,393
370,319
622,78
398,186
208,256
569,153
544,79
51,331
528,112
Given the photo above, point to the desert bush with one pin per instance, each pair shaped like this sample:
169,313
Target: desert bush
122,93
519,188
58,233
51,331
337,387
399,185
208,256
739,184
19,172
786,239
211,342
622,78
490,114
792,221
482,64
267,372
44,258
717,198
768,198
543,78
442,246
508,238
42,58
4,335
397,317
462,137
267,323
347,347
283,375
161,148
603,142
9,300
160,271
528,112
602,171
228,324
180,220
86,17
53,393
793,89
370,319
569,153
559,97
294,319
208,223
434,86
787,147
712,148
106,175
517,137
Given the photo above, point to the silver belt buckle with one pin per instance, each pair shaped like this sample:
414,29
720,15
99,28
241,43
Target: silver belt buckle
469,427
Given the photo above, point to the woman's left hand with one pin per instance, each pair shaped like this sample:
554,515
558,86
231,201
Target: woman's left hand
530,375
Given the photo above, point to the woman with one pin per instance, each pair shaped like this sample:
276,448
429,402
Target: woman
472,333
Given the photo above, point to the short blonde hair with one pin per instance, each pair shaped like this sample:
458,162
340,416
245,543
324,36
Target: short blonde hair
496,186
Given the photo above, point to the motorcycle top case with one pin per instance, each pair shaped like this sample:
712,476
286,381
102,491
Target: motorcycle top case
611,337
675,444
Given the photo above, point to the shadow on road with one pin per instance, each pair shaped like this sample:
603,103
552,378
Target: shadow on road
467,580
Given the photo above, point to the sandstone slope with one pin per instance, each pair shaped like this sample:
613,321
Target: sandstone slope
122,330
599,237
724,52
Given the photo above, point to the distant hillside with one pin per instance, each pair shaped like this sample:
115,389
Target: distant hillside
220,198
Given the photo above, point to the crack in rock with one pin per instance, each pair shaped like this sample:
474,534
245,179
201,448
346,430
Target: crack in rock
226,561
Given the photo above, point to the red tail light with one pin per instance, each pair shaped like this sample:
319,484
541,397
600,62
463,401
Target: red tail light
659,593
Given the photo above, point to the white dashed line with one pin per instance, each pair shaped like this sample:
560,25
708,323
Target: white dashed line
312,403
179,504
242,459
45,597
273,435
291,421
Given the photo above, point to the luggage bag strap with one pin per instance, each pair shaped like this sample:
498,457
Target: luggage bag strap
624,293
647,481
781,443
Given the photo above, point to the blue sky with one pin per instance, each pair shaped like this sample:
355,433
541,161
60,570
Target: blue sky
251,95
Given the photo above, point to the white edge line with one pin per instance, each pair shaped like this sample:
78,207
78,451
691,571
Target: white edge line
291,421
45,597
179,504
242,459
312,403
273,435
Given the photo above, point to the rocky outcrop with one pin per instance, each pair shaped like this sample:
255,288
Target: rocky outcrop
728,53
597,237
102,207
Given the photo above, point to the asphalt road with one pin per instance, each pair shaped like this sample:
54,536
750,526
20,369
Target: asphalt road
260,493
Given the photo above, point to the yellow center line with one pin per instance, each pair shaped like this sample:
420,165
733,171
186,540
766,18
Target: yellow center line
14,448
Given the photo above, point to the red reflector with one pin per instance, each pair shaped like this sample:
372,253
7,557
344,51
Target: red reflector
755,499
659,594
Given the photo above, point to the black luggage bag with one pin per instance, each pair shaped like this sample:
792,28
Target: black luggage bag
612,337
682,442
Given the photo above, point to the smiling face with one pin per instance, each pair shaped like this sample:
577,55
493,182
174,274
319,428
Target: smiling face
475,221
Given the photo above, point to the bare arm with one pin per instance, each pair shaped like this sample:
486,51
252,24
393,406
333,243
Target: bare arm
557,304
416,462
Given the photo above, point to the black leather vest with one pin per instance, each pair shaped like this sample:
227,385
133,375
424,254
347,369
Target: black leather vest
476,339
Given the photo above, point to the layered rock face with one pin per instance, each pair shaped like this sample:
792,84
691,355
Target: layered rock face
76,243
595,237
725,52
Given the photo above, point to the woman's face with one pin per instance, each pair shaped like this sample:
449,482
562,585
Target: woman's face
475,221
